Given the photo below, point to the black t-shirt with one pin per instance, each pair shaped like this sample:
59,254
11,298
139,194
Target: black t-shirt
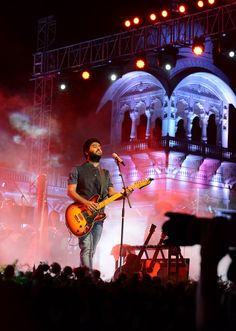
89,180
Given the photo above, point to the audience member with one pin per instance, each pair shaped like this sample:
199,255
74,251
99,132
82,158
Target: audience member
216,237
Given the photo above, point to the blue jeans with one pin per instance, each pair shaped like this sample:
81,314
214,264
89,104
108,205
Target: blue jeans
88,245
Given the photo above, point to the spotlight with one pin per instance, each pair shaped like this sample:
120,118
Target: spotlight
140,63
153,17
136,20
200,4
182,9
85,74
167,57
197,49
127,23
164,13
63,86
231,54
168,66
113,77
198,46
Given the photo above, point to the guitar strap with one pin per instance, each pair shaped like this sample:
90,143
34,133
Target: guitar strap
102,176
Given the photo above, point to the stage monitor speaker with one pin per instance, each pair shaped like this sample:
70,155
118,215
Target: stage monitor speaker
178,270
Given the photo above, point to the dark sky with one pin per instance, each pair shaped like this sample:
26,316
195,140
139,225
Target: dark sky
76,21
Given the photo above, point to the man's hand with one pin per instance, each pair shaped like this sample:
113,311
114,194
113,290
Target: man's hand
90,205
126,192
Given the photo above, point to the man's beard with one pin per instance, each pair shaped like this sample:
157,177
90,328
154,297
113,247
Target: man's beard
94,157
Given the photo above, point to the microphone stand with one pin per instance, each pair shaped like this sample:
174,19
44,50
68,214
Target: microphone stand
123,215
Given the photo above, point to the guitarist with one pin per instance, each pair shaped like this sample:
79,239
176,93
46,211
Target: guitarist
84,182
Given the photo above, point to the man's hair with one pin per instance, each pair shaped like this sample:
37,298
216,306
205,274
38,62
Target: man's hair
88,143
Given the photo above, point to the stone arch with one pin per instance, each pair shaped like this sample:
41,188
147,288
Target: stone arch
215,86
138,93
202,94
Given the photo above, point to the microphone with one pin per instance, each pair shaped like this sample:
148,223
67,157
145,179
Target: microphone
117,158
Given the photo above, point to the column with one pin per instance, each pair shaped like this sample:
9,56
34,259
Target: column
204,120
134,115
149,113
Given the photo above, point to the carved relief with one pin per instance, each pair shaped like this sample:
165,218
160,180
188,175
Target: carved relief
198,89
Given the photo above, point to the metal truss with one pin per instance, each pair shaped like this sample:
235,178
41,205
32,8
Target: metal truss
179,31
41,123
39,144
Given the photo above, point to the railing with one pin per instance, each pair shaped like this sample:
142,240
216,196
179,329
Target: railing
168,144
198,148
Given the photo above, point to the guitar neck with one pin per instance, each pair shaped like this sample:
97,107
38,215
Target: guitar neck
157,250
105,202
138,184
151,231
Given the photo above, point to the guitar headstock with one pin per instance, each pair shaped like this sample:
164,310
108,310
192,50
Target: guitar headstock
141,183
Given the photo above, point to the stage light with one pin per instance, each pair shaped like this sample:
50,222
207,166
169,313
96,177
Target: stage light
231,54
211,2
127,23
167,57
200,4
136,20
153,17
182,9
85,74
168,66
140,63
62,86
198,49
113,77
198,46
164,13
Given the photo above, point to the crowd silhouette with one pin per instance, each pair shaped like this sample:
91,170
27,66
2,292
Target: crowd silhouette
50,297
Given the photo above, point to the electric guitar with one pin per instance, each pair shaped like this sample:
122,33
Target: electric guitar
133,262
152,267
80,221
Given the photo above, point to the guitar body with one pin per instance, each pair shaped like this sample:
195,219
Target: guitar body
151,268
131,266
133,262
79,220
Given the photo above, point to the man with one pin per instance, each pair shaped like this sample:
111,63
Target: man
86,181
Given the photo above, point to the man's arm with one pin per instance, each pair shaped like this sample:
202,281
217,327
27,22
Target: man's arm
112,191
71,192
